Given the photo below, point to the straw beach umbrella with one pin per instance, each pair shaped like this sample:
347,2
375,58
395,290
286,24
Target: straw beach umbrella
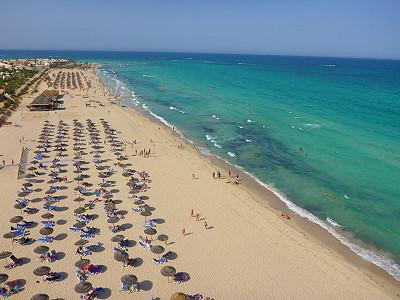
5,254
168,271
113,220
16,219
47,216
157,249
83,287
150,231
81,242
121,256
117,238
129,279
82,262
46,231
41,271
79,210
40,297
179,296
41,249
3,278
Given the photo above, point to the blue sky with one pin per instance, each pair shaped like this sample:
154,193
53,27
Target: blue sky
350,28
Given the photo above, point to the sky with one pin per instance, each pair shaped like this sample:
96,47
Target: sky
340,28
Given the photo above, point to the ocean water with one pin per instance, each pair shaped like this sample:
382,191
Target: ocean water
323,133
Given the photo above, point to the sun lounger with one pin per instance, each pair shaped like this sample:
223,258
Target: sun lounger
46,239
48,223
161,260
87,235
31,210
75,229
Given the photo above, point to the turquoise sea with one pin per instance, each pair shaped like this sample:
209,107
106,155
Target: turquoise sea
323,133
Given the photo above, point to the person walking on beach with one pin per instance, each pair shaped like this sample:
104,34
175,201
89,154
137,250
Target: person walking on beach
213,175
197,217
219,175
191,212
183,232
205,225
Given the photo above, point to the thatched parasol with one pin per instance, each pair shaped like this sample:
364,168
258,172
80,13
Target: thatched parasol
41,249
41,271
121,256
83,287
129,279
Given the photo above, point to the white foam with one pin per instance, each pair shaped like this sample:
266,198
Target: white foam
333,222
248,141
250,121
231,154
178,110
311,125
329,65
209,137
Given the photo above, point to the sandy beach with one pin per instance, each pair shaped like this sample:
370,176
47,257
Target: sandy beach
246,249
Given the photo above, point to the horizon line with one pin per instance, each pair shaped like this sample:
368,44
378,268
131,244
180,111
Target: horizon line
214,53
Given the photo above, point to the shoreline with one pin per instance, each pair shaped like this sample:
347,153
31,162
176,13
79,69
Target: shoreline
272,200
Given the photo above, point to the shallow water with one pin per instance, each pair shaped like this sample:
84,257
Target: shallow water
323,131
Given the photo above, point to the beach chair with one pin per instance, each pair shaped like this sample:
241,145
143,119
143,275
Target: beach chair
85,253
87,235
46,239
137,209
26,224
48,223
161,260
75,229
50,207
125,288
25,241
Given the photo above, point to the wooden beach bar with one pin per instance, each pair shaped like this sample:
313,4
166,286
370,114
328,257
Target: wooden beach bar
48,100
